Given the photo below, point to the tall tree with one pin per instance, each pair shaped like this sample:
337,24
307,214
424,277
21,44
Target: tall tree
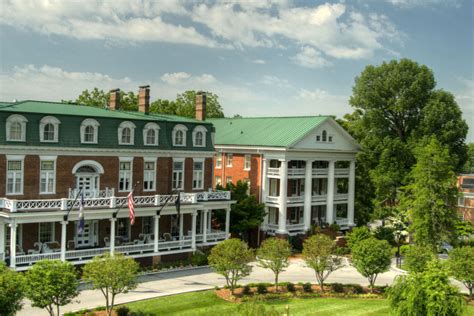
273,254
469,165
11,291
100,98
431,197
461,266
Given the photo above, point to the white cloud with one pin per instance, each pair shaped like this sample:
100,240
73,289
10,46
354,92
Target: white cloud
417,3
275,82
310,58
259,61
180,78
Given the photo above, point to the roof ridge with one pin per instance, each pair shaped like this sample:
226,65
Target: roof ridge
266,117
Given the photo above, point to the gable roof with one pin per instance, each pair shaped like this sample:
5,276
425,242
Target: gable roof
264,131
59,108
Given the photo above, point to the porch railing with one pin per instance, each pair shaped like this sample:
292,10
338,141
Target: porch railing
273,171
296,172
108,192
110,201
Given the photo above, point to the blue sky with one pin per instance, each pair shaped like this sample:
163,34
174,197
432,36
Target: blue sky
262,58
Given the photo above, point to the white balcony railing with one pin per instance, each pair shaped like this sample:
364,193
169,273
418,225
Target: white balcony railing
111,201
320,172
341,172
108,192
341,196
319,198
272,199
295,199
296,172
342,221
273,171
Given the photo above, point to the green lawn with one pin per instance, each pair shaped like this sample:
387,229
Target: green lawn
207,303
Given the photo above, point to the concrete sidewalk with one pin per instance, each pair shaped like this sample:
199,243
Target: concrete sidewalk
168,283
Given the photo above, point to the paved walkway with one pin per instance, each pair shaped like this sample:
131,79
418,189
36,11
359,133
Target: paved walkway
168,283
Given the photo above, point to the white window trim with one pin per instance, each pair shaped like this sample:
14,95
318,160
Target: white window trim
202,173
184,129
49,120
184,169
146,128
49,158
12,119
16,157
327,137
250,162
122,126
219,155
95,125
203,130
53,231
227,164
145,160
130,160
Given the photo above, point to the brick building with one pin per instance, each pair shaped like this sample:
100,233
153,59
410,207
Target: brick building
52,151
280,158
466,201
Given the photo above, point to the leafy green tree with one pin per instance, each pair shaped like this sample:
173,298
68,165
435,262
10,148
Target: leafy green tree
357,234
273,254
319,253
431,197
50,284
426,293
11,291
112,275
463,230
461,266
371,257
469,165
417,258
231,259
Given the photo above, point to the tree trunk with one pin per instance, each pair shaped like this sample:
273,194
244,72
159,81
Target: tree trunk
57,309
276,282
470,293
112,304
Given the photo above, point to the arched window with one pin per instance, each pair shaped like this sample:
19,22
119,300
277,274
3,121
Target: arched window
126,133
49,129
89,131
199,136
179,135
150,134
324,136
16,128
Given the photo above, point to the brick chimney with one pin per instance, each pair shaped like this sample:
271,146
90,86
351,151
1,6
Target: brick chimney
201,106
114,101
144,99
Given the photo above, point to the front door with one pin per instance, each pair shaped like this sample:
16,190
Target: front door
89,237
88,183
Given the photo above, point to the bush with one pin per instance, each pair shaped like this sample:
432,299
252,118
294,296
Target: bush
337,287
355,288
122,311
261,288
341,251
307,287
385,233
199,259
246,290
290,287
296,243
417,257
356,235
404,249
334,227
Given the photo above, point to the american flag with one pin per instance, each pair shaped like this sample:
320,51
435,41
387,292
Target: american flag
131,208
80,227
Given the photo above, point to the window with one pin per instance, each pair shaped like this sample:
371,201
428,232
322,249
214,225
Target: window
178,174
318,138
125,174
179,135
150,134
323,136
461,201
247,162
218,180
15,174
46,232
89,131
48,175
229,160
148,225
219,160
199,136
198,174
126,133
123,228
49,128
248,185
341,211
149,175
229,179
16,128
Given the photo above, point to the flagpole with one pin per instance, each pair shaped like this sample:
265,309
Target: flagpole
177,203
114,215
72,206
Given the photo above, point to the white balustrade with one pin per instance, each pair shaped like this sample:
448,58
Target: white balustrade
295,199
92,193
319,198
320,172
341,172
342,221
296,172
341,196
272,199
273,172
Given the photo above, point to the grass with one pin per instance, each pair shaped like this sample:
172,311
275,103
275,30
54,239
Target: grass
207,303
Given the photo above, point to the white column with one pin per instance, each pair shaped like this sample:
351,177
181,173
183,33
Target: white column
308,183
2,238
283,197
263,197
330,196
156,233
181,216
13,245
63,240
265,219
193,234
209,221
204,230
351,197
227,223
112,236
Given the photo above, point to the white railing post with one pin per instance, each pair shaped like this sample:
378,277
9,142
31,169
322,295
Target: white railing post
13,206
330,196
156,233
193,234
63,240
227,223
157,200
13,245
63,204
308,183
113,201
112,236
204,231
181,226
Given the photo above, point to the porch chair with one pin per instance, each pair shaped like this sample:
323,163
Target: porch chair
141,239
37,248
71,245
167,237
19,250
51,246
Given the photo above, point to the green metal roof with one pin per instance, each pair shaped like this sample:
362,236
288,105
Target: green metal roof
59,108
264,131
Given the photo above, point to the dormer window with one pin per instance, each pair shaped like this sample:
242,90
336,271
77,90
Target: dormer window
324,137
179,135
150,134
89,131
49,129
199,136
16,128
126,133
